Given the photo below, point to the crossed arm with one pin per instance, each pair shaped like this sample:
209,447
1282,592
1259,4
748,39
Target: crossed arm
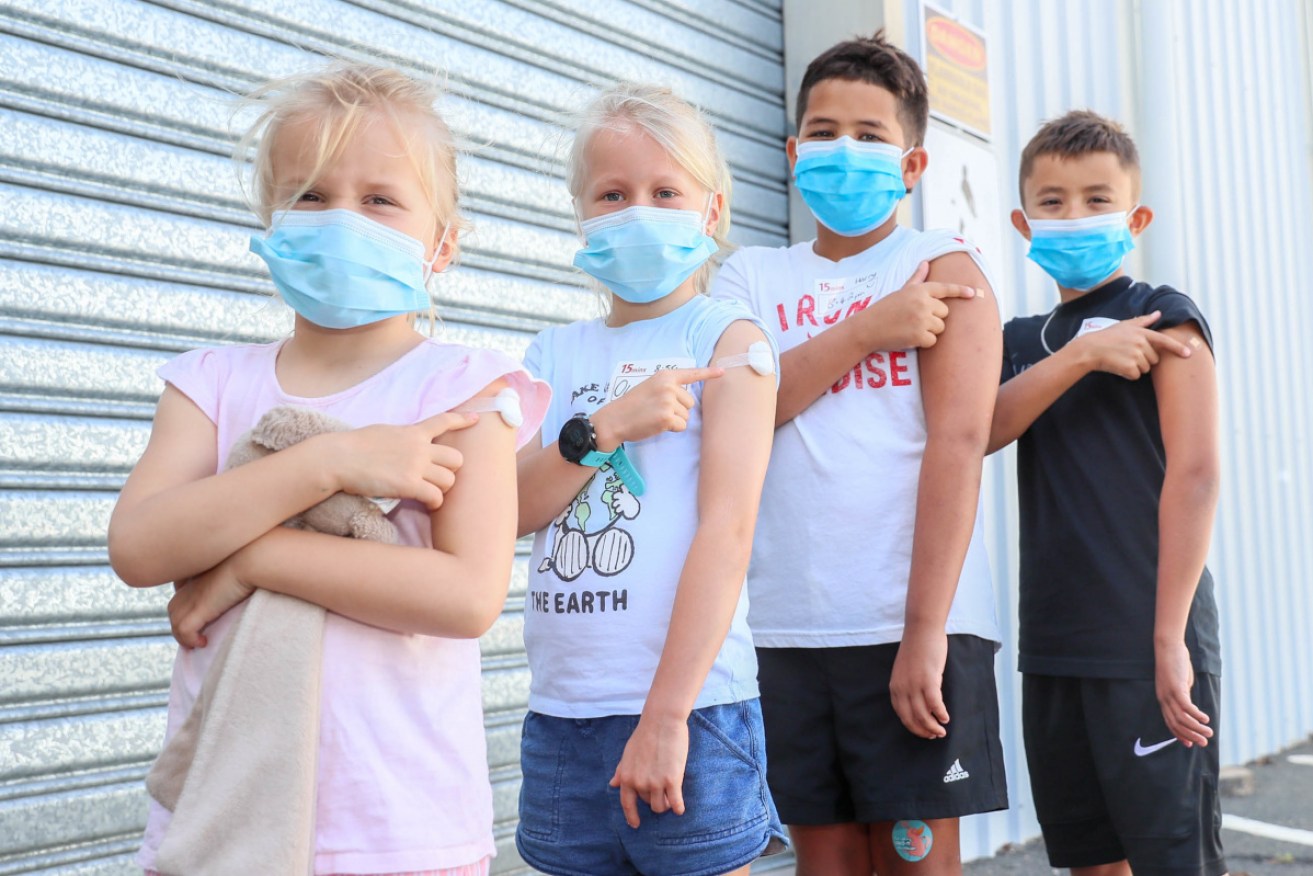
219,533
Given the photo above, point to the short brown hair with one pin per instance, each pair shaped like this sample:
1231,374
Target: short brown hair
1080,132
876,61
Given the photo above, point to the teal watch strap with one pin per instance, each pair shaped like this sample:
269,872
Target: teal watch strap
620,464
628,474
596,458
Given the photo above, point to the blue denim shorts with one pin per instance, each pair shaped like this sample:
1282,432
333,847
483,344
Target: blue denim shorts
571,823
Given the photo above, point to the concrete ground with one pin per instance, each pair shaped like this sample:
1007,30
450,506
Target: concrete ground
1268,833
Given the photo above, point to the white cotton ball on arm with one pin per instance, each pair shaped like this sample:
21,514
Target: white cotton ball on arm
506,403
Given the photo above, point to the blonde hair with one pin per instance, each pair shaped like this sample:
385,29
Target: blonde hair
340,99
677,126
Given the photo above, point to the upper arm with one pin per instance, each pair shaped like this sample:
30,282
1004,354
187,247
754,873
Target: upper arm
1188,402
959,376
477,518
182,448
738,425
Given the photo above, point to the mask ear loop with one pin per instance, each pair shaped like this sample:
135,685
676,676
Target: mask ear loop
910,150
429,274
429,270
706,213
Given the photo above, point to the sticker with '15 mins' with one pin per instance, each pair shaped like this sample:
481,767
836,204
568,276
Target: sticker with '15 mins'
627,375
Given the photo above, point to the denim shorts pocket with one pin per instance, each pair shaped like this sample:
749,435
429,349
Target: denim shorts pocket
542,764
724,790
729,724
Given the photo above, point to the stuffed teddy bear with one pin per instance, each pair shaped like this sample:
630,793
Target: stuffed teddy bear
236,766
339,514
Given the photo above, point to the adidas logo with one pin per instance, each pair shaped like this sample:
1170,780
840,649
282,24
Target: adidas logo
956,773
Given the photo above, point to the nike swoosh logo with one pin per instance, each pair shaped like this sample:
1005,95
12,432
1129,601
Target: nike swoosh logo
1142,750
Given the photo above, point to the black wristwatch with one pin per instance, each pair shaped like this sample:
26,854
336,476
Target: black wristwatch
577,439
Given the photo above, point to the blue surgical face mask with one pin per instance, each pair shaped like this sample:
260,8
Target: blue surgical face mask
340,270
642,254
1081,254
851,188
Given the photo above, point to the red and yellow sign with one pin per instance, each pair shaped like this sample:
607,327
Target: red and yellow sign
957,69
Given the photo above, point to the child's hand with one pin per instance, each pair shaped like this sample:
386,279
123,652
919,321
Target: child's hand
401,462
652,767
661,403
1128,349
916,684
200,600
914,315
1173,678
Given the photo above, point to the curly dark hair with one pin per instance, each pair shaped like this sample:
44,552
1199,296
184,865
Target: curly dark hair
876,61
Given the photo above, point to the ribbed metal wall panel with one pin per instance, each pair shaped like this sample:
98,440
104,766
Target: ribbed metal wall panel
1234,229
123,241
1244,217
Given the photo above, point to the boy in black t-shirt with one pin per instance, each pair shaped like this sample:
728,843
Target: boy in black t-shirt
1118,475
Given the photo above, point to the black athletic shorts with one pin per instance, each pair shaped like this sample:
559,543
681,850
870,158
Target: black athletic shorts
836,752
1112,783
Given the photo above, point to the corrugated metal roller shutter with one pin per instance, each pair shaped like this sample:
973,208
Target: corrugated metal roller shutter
123,242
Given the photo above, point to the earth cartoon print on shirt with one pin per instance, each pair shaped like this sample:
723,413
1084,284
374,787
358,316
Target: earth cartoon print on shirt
605,547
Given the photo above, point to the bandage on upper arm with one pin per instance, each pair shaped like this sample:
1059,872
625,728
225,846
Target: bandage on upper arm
758,357
506,403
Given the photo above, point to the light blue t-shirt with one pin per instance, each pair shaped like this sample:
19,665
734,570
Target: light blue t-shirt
603,575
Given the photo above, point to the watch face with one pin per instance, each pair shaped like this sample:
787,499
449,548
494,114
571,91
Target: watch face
576,439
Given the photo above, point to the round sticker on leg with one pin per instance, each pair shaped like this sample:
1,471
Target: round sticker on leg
913,840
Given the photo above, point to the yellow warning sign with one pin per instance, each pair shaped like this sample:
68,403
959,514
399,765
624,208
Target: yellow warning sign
957,70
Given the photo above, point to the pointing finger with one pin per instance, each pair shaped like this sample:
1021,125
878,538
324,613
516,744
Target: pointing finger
1167,342
1147,320
685,376
450,421
922,271
951,290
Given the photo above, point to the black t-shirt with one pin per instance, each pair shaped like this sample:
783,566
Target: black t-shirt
1090,472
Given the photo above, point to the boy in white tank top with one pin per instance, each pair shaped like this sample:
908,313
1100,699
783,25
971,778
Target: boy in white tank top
871,603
